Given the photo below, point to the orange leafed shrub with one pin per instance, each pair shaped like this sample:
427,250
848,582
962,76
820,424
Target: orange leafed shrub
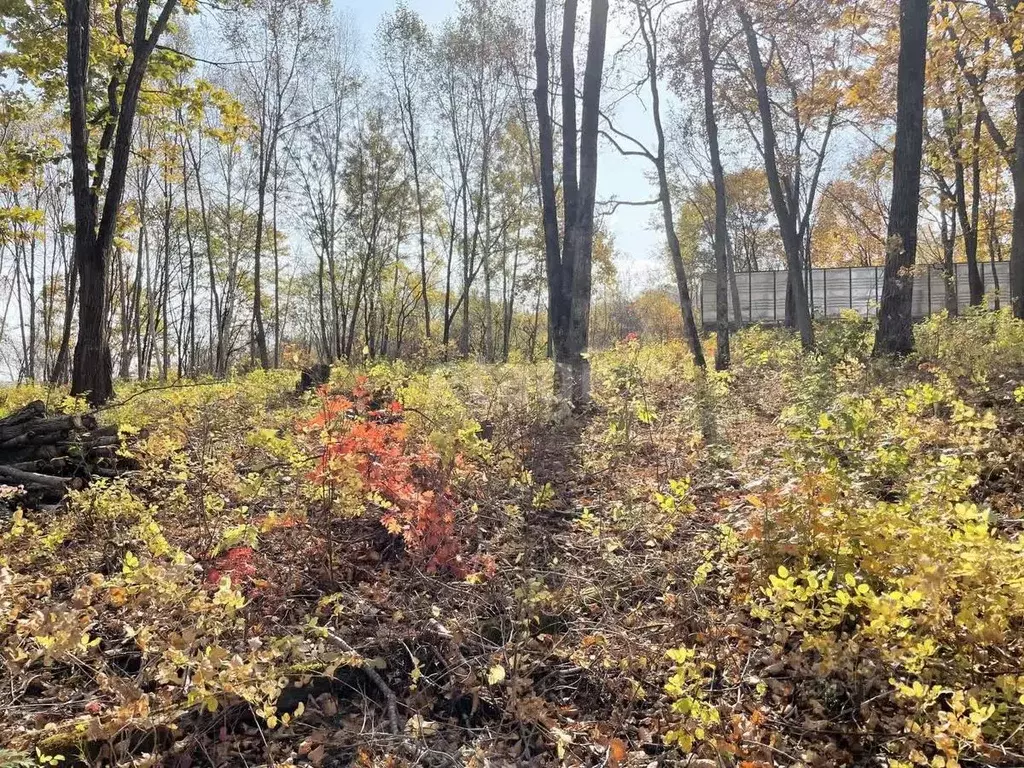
408,481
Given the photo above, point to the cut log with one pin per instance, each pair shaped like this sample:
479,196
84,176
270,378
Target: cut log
103,452
100,442
49,455
56,466
34,410
14,476
41,426
313,377
32,453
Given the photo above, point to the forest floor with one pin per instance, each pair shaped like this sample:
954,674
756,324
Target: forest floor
812,560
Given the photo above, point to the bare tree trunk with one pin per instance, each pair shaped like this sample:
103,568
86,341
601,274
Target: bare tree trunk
60,366
277,264
895,328
190,368
413,149
582,260
259,331
947,227
994,250
968,220
722,354
786,216
569,271
734,288
487,266
1017,247
92,370
30,282
328,350
648,32
165,286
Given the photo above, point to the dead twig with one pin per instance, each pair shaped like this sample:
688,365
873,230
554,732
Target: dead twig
375,678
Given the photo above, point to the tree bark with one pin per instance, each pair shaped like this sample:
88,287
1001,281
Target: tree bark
558,302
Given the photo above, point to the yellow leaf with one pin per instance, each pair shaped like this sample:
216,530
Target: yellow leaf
419,727
495,674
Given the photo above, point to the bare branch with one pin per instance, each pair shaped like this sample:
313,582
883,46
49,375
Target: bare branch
613,205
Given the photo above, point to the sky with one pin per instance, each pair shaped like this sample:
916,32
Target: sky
638,241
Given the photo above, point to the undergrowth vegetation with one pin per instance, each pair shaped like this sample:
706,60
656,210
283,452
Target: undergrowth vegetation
811,560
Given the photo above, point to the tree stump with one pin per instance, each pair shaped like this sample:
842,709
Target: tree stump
313,377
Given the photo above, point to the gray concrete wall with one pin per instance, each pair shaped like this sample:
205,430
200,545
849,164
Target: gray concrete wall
831,291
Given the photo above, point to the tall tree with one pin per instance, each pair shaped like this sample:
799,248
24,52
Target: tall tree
785,205
321,163
96,223
998,20
650,16
956,151
404,40
895,327
462,139
276,42
569,262
718,181
377,193
1008,16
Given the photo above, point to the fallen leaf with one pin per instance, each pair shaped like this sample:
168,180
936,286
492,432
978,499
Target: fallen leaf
617,752
419,727
495,674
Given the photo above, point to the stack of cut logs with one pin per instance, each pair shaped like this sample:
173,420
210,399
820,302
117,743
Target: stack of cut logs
50,455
